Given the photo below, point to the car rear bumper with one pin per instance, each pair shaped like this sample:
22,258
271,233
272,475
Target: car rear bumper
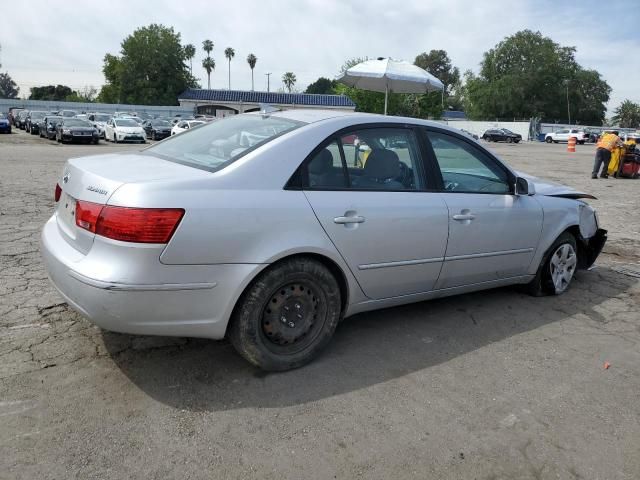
154,299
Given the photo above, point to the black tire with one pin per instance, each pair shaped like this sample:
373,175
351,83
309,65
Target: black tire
516,141
543,284
581,142
548,140
115,138
263,328
555,141
153,136
509,140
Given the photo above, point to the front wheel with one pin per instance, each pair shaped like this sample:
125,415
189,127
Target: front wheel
509,140
287,315
115,138
548,140
557,268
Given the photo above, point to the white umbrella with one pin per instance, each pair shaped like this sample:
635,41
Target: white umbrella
385,74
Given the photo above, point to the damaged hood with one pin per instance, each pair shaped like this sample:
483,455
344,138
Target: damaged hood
550,189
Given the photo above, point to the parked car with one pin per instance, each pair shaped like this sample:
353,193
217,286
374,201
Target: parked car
184,125
67,113
5,125
48,126
13,114
501,135
157,129
262,229
31,122
565,134
124,130
593,135
99,121
21,119
76,130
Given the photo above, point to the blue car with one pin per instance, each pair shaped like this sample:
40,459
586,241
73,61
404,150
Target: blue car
5,126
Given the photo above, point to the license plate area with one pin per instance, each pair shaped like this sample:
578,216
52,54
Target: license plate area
67,211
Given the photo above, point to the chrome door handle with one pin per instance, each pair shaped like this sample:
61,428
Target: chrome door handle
463,217
346,220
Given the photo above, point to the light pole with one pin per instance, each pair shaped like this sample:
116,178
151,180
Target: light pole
268,77
566,83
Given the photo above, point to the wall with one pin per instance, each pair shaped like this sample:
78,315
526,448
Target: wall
46,105
479,127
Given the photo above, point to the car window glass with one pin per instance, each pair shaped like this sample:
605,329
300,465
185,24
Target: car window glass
325,169
382,159
465,168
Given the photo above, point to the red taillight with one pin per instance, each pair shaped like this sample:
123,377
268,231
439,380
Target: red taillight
139,225
56,196
87,214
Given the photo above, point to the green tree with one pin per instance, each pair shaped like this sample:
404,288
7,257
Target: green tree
229,53
438,64
151,68
86,95
627,115
251,60
209,64
189,53
322,86
529,75
289,80
51,92
8,88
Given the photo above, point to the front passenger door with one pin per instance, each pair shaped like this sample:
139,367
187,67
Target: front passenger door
493,233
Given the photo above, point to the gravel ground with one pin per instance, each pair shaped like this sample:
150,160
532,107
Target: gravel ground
485,386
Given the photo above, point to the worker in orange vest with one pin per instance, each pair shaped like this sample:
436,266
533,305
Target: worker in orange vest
605,146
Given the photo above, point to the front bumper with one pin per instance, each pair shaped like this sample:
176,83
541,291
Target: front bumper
126,289
130,137
592,247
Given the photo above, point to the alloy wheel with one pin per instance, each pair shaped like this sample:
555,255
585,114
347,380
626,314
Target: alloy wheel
563,266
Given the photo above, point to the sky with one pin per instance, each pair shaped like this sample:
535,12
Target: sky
46,42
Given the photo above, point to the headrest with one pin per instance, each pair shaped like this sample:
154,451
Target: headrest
321,163
382,164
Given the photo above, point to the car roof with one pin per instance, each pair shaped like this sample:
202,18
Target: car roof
319,115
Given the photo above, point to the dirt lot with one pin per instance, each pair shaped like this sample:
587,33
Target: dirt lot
483,386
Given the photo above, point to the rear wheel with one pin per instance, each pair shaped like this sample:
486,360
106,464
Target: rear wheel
557,268
287,315
548,140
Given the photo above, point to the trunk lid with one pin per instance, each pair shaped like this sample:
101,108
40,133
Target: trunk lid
95,179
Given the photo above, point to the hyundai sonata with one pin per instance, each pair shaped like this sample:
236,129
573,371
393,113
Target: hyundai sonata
271,228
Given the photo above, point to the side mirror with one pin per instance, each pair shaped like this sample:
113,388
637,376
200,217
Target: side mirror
524,187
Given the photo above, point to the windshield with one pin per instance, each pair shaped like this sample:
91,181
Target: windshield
101,118
76,122
160,123
125,122
37,115
216,145
68,113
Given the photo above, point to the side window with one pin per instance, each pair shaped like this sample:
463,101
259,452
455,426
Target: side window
325,169
382,159
465,168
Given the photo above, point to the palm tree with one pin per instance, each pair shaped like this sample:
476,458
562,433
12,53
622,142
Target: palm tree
251,60
289,80
190,52
208,63
229,53
627,115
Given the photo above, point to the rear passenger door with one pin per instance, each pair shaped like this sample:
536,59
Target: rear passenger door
370,192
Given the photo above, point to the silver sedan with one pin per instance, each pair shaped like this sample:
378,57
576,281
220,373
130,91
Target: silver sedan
271,228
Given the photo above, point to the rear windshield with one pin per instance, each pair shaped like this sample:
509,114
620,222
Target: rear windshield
215,145
160,123
101,118
38,115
